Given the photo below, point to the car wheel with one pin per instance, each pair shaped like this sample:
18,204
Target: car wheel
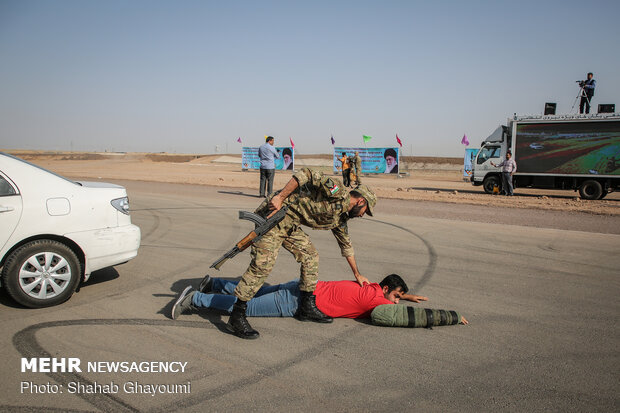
490,182
41,273
591,189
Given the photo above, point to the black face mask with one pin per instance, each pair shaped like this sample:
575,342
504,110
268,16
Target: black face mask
355,211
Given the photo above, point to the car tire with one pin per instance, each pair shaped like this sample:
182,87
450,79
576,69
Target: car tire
41,273
591,189
489,182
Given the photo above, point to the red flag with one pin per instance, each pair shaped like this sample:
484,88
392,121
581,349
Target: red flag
333,140
292,143
398,140
239,139
465,141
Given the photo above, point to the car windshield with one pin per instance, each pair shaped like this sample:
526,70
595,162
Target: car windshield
38,167
487,153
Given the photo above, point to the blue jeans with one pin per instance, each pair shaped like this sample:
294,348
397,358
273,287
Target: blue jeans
507,183
280,300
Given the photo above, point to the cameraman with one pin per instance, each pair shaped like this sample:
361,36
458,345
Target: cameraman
588,87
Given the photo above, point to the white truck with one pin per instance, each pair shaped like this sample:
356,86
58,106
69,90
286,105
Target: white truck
578,152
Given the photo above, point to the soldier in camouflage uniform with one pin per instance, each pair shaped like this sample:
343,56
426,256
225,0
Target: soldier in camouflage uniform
313,200
356,161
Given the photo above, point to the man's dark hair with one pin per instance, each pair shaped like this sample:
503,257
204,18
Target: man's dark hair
509,153
590,73
393,281
390,152
344,153
268,138
287,151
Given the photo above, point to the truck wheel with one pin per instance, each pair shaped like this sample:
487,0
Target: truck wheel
41,273
489,182
591,189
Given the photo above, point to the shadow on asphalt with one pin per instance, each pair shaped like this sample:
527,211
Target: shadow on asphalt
239,193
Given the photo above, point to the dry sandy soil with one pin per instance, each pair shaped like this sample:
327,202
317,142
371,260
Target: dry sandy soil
426,179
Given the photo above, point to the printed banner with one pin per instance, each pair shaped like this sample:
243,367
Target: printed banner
250,159
470,155
374,160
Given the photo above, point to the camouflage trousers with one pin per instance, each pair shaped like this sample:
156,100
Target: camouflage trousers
358,174
264,253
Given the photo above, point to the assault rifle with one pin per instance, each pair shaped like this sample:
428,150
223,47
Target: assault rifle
262,226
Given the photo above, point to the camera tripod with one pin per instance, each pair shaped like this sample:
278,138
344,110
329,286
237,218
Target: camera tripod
582,94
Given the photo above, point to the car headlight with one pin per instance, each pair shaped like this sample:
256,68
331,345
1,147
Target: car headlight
121,204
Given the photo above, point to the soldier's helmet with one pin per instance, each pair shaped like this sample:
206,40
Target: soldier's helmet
369,196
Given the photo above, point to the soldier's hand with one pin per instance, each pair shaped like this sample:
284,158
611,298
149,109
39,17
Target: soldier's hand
361,279
464,321
275,205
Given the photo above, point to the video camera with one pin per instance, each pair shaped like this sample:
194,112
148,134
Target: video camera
582,83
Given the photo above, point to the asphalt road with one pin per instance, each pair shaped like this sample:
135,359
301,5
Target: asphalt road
540,290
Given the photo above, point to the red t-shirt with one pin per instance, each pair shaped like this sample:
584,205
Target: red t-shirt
347,299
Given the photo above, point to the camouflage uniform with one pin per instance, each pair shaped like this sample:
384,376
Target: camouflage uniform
320,202
357,164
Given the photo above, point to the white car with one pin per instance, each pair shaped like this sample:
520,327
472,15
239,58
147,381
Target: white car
55,232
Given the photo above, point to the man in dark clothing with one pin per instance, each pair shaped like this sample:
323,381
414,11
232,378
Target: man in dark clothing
587,93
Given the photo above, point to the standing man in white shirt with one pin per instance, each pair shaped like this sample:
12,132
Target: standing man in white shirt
267,154
509,167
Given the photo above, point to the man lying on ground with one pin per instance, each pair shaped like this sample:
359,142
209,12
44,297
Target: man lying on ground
346,299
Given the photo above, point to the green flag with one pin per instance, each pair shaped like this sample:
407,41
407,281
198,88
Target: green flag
366,138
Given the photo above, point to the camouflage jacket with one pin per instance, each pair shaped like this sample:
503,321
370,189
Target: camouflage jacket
321,202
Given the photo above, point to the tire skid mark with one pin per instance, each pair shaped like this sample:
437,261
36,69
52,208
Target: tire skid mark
26,343
430,268
154,225
156,213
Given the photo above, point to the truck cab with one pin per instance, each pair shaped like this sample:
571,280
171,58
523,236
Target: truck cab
483,173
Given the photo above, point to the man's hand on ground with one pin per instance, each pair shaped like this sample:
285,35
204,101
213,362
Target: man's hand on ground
464,321
414,298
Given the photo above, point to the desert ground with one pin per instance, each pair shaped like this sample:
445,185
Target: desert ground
423,179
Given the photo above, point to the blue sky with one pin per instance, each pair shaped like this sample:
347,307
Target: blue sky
185,76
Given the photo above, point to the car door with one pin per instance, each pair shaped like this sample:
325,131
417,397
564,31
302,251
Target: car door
10,209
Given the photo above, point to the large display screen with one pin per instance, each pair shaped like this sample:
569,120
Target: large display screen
579,148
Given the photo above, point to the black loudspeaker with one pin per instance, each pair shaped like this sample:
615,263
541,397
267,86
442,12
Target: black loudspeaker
607,108
550,108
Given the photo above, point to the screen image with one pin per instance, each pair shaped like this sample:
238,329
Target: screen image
250,159
583,148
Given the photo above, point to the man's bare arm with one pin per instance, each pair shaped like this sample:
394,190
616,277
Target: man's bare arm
413,298
358,277
276,202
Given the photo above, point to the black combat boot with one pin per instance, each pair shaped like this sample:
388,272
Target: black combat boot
238,324
308,311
